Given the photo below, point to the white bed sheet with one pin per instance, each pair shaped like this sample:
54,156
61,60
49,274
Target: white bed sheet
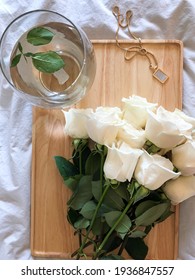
174,19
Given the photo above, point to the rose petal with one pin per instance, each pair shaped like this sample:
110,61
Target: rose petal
185,117
108,114
132,136
183,157
136,110
101,132
120,162
154,171
180,189
164,131
76,119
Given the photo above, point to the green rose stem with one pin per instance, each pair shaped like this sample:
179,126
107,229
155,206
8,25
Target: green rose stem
80,251
99,249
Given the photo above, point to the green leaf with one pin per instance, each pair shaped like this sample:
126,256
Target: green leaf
72,216
15,60
82,194
83,155
122,191
148,229
104,209
123,226
152,214
138,233
144,206
39,36
47,62
141,193
65,167
136,248
81,223
72,182
130,189
20,47
92,165
112,243
97,189
165,215
28,54
88,209
113,200
100,227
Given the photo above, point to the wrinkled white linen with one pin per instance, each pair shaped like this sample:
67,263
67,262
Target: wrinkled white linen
173,19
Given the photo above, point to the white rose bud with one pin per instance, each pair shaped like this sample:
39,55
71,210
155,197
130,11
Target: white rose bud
167,130
152,171
180,189
136,110
120,162
76,119
183,157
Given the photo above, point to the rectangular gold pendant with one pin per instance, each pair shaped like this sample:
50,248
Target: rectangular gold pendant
160,76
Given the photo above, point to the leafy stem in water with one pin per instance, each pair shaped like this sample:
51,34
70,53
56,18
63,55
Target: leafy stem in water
47,62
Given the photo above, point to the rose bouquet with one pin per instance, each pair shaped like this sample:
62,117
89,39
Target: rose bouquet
128,167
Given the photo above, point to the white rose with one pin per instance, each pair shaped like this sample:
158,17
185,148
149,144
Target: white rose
108,113
76,119
180,189
153,171
103,125
132,136
167,130
136,110
120,162
183,157
185,117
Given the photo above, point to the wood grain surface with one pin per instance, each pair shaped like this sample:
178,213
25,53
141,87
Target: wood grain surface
51,234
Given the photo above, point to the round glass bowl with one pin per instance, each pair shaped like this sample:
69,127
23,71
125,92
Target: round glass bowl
31,47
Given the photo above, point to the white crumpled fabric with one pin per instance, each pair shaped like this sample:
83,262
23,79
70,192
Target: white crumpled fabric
173,19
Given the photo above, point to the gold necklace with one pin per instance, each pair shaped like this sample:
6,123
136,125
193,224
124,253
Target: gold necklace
130,52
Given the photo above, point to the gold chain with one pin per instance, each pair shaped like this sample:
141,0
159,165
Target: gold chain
131,52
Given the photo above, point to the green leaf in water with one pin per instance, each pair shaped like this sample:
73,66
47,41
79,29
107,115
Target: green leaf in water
39,36
47,62
20,47
28,54
15,60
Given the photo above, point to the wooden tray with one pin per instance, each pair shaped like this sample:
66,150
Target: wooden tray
51,234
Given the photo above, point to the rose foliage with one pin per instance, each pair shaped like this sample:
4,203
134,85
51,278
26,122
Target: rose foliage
127,169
